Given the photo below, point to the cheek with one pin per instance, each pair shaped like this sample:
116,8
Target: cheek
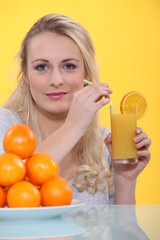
76,84
34,82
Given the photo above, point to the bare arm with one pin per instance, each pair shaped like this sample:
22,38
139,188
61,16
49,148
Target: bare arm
125,175
85,104
124,190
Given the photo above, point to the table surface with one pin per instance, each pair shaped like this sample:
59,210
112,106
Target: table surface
85,222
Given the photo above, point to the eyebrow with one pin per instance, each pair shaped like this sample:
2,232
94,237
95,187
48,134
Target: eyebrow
69,59
37,60
65,60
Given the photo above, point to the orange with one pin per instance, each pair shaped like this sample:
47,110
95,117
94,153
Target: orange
134,98
23,195
12,169
2,197
56,192
40,168
20,139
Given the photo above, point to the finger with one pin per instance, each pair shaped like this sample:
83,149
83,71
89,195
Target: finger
144,154
90,89
102,87
81,96
94,93
108,140
101,103
144,143
97,96
86,91
139,130
101,84
91,97
109,136
105,84
140,137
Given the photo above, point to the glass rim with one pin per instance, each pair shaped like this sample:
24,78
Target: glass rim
124,109
122,105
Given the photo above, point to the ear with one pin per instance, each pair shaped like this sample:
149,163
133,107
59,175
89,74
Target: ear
87,77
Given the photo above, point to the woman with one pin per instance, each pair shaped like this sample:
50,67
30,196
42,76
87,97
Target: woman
56,55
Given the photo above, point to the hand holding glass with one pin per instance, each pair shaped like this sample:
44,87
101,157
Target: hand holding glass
123,128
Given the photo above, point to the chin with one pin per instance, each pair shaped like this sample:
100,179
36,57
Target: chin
53,109
59,111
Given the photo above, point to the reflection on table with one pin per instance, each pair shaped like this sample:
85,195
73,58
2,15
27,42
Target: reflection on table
89,222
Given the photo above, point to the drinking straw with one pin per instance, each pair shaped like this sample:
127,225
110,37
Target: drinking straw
87,81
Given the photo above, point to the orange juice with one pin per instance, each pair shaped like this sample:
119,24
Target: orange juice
123,127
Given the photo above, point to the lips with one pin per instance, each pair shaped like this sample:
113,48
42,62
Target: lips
56,95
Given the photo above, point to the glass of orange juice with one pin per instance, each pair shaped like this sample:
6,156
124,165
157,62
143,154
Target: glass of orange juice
123,130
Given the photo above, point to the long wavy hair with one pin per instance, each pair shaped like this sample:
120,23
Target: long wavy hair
89,151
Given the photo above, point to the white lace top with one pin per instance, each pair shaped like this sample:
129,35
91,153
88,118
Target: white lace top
9,118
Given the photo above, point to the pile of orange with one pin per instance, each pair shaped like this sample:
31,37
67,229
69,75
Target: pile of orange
29,179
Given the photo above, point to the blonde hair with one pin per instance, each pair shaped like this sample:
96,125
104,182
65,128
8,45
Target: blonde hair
89,151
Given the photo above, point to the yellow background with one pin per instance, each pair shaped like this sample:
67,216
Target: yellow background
126,35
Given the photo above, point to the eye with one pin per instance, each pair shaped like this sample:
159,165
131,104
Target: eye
70,66
41,67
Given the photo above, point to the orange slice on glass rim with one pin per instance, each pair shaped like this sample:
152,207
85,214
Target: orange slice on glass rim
134,98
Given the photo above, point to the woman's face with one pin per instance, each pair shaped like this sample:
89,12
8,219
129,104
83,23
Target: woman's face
55,70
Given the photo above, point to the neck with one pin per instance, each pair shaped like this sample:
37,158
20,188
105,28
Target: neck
49,123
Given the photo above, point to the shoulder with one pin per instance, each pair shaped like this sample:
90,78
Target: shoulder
9,117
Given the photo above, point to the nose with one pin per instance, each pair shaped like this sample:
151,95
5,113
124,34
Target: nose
55,79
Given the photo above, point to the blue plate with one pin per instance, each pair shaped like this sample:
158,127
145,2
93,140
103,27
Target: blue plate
39,228
39,222
36,213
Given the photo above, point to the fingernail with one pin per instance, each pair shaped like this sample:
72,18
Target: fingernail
136,139
138,130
